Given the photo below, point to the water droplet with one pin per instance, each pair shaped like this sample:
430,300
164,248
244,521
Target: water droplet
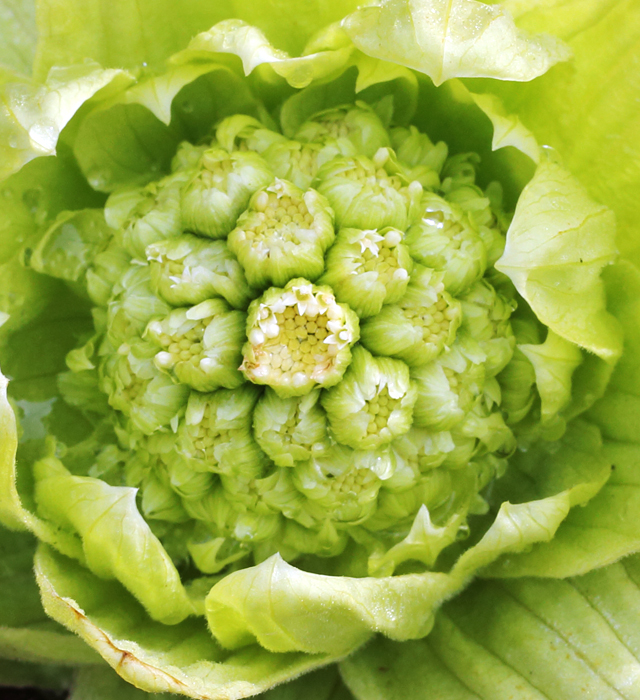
144,64
31,198
13,142
44,136
187,107
7,193
99,179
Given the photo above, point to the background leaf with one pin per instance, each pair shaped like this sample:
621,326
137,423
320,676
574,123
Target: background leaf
137,34
587,108
26,633
528,639
17,34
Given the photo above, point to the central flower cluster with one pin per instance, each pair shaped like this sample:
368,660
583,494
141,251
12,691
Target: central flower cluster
302,352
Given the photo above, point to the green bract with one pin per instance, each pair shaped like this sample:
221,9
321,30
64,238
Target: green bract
294,350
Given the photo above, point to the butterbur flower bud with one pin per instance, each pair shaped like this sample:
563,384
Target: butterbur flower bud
449,386
459,171
324,540
70,244
146,215
484,211
345,491
106,269
369,193
190,270
136,387
240,132
299,338
187,482
414,147
373,404
160,502
369,268
200,345
419,327
445,239
289,430
211,554
283,234
416,151
299,162
488,429
132,306
518,379
486,315
187,156
358,124
215,433
220,189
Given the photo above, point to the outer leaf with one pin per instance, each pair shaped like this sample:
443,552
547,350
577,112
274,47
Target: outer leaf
146,32
131,138
452,39
25,631
125,145
101,683
17,35
317,613
587,108
525,639
508,130
12,513
606,528
557,244
35,196
553,362
157,93
156,658
254,49
287,609
32,116
135,557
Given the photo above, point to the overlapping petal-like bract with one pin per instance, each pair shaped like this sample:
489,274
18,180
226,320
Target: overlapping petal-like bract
304,336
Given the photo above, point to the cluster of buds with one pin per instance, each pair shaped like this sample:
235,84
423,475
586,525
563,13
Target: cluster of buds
303,336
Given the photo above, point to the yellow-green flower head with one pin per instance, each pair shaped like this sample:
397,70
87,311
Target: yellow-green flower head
373,404
283,234
314,375
368,269
190,270
420,326
369,193
147,214
299,161
416,150
358,124
240,132
220,189
444,238
299,337
200,345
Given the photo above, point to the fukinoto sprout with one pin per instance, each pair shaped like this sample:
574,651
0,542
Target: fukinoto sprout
313,376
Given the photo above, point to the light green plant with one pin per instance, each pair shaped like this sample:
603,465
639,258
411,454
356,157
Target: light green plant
295,349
